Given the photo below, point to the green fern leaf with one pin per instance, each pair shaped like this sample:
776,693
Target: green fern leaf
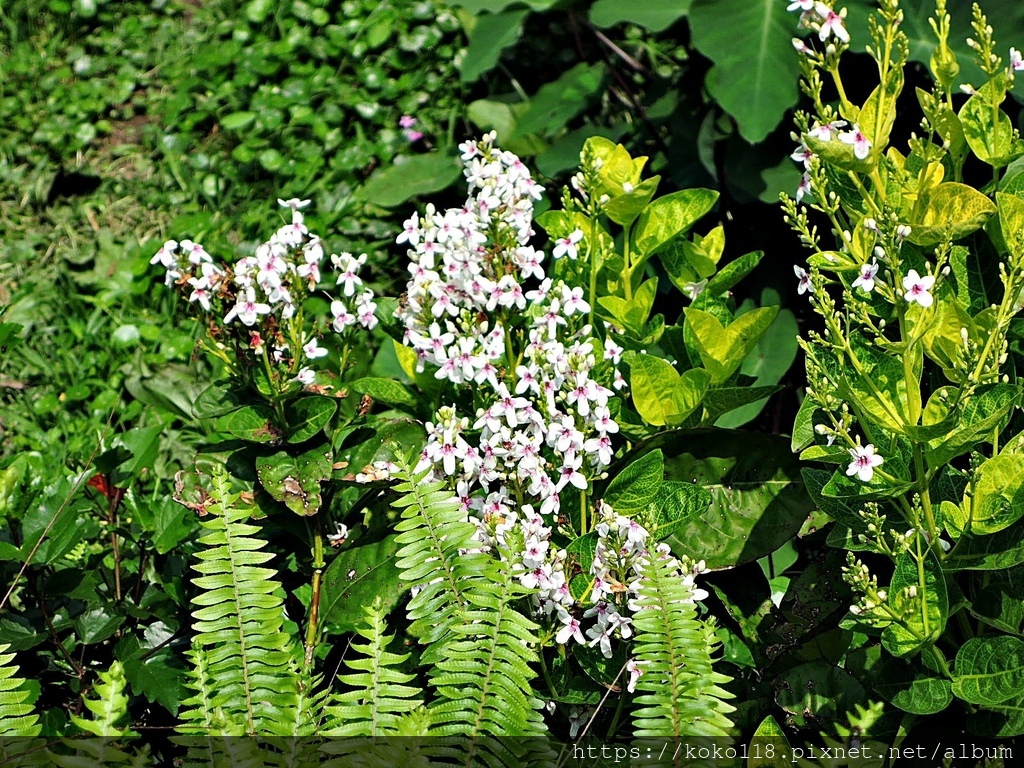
479,645
380,695
108,722
19,722
17,714
679,693
248,672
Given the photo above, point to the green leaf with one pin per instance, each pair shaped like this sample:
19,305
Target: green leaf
988,129
722,349
637,485
724,399
236,121
253,422
392,185
769,747
998,599
755,74
670,216
295,480
758,501
558,102
355,578
624,207
951,210
1011,222
911,687
926,618
879,112
655,15
817,691
997,501
385,391
661,395
988,553
308,415
980,414
159,678
491,33
675,504
878,386
732,273
989,670
96,625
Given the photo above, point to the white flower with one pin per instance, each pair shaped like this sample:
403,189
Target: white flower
634,670
1016,60
247,309
804,187
902,232
306,376
917,288
866,280
864,462
805,280
566,246
861,144
313,350
827,131
832,23
800,5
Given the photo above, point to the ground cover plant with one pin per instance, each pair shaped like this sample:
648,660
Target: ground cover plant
501,492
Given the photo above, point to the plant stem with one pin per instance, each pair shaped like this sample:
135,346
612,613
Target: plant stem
314,600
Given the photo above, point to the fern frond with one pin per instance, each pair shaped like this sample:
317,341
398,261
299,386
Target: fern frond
380,694
432,531
18,717
19,722
679,693
110,713
248,666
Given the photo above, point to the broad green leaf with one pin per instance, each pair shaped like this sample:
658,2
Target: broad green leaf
355,577
999,722
998,599
392,185
675,504
215,401
655,15
990,670
494,6
758,501
911,687
817,691
632,314
980,414
754,77
1011,221
295,480
624,207
952,210
582,549
879,112
722,349
926,617
670,216
988,553
988,129
637,485
491,33
159,678
661,395
558,102
997,501
236,121
253,422
803,427
769,747
97,624
308,415
383,390
877,386
732,273
725,399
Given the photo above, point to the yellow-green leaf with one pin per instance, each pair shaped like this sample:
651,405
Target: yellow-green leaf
951,210
722,349
661,395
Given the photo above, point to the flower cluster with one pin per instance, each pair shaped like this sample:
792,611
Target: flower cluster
263,293
825,132
820,18
482,312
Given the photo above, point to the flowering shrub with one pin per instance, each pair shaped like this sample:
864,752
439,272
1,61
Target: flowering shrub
912,391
